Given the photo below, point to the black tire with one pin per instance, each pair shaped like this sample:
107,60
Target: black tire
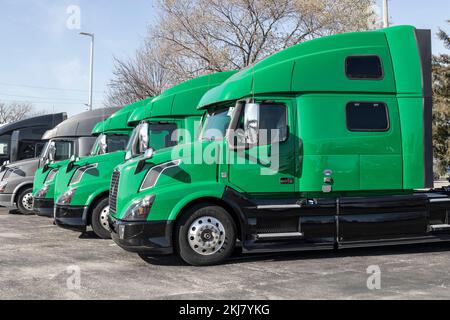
184,235
98,221
25,202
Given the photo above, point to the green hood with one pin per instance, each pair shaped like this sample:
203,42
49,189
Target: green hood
187,171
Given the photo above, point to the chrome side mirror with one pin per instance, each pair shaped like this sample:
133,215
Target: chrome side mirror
103,145
128,155
143,137
251,123
51,151
5,163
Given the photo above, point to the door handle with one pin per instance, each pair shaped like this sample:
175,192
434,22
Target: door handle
286,181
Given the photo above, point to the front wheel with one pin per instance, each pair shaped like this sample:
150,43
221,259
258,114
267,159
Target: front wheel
206,235
25,201
99,221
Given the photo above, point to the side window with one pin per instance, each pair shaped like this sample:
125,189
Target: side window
116,142
39,147
367,116
161,135
272,125
64,150
363,67
26,150
273,117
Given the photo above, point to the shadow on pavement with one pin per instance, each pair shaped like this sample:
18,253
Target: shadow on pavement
238,257
88,235
166,260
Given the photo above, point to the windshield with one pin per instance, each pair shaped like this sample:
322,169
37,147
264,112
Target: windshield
132,140
64,149
114,142
44,150
215,124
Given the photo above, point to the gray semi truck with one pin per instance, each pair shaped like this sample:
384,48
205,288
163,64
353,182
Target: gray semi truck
22,139
68,138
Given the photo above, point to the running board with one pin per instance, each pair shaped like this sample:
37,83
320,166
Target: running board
279,236
439,200
278,206
439,227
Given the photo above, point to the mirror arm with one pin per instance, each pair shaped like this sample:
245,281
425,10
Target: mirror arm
141,165
71,165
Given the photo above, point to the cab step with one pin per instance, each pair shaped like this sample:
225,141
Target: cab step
439,227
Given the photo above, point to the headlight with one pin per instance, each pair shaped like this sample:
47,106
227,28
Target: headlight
140,209
155,172
51,175
80,171
66,197
3,185
42,192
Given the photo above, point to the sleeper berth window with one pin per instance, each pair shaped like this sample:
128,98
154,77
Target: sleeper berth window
363,67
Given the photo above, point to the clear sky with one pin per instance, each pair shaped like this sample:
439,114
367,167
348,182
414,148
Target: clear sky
45,62
38,49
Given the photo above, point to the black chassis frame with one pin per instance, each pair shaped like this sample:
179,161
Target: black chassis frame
292,223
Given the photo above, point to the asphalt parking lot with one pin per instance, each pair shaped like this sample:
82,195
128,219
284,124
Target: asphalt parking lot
39,261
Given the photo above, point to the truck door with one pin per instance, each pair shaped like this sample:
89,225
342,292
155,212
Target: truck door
269,167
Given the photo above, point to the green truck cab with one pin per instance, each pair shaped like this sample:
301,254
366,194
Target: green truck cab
113,135
169,119
71,137
319,146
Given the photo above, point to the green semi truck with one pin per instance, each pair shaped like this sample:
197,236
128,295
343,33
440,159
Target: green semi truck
83,186
320,146
71,138
113,135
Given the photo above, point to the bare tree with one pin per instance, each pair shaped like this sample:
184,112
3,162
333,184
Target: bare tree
15,111
213,35
195,37
140,77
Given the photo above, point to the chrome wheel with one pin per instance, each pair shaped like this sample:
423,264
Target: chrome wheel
206,235
104,218
27,201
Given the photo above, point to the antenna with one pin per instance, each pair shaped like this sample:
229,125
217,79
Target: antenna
253,82
385,13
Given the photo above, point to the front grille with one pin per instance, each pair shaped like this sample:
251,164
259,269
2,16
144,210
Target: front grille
113,191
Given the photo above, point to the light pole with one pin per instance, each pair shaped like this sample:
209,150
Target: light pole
385,14
91,77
